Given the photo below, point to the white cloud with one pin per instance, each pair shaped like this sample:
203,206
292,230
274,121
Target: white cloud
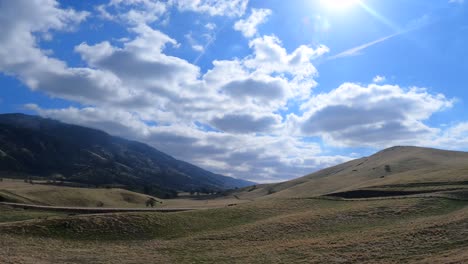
233,8
456,1
133,83
193,43
137,11
261,158
227,118
210,26
375,116
21,56
379,79
244,123
248,26
271,58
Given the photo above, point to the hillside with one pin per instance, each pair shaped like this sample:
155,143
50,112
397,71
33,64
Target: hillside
31,145
307,220
279,230
40,194
401,167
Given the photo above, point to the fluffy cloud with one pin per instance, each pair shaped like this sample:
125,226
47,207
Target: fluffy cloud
376,115
248,26
271,58
141,65
261,158
228,118
244,123
23,22
220,119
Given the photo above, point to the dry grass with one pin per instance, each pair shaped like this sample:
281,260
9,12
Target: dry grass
270,231
276,223
406,165
19,191
70,196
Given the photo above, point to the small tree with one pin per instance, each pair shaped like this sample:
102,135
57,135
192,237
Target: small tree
151,202
387,168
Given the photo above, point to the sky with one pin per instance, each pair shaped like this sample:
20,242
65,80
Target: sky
260,90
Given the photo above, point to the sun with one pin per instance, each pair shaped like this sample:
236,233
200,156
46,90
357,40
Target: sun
339,4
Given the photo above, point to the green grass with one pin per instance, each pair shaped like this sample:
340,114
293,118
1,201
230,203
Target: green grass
267,231
8,214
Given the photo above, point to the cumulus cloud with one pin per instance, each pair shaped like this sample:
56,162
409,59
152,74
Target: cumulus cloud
262,158
245,123
219,119
256,89
227,118
140,64
248,26
376,115
21,57
270,57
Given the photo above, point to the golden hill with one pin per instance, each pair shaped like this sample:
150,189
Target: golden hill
396,166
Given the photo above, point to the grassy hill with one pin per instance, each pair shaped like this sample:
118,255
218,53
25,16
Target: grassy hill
418,213
13,190
21,192
397,167
275,230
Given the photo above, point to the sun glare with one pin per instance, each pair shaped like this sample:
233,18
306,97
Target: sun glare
339,4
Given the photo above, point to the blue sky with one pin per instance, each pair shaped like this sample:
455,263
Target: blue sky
261,90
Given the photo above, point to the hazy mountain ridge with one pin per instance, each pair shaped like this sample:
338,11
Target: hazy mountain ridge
38,146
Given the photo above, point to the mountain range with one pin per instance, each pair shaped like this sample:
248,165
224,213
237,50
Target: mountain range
39,147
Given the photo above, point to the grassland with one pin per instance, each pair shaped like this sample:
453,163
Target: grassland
40,194
19,191
408,205
9,214
269,231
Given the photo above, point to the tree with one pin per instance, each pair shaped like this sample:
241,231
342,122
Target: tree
387,168
151,202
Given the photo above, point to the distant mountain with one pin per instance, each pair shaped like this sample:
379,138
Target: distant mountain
31,145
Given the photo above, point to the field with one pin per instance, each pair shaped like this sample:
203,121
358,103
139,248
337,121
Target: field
424,230
393,207
40,194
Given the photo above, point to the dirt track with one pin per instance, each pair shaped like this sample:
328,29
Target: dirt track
93,210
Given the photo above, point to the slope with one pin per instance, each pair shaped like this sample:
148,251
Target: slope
30,145
401,167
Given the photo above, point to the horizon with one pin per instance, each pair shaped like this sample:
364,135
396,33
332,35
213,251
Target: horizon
265,92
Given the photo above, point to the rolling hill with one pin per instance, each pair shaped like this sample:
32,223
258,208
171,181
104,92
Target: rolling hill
306,220
35,146
400,167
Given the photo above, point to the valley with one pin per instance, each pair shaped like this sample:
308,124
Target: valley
417,212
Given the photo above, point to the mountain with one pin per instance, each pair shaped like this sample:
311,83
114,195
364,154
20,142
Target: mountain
401,167
31,145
